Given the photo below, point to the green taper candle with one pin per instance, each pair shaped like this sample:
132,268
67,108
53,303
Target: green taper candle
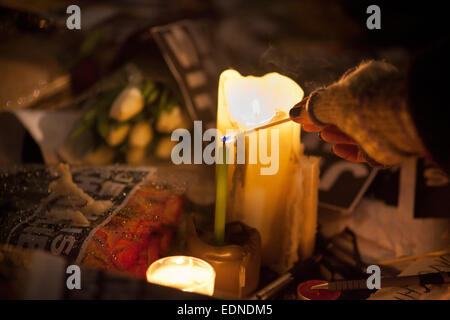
221,195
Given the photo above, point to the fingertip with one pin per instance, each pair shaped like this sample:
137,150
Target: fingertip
311,128
297,112
348,152
334,135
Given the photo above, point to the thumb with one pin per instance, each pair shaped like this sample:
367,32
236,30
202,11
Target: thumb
300,114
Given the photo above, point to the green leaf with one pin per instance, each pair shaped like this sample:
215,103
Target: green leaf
78,131
91,43
148,87
163,99
171,104
103,125
152,96
89,117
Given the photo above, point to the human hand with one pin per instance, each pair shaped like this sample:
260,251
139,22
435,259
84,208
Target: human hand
344,146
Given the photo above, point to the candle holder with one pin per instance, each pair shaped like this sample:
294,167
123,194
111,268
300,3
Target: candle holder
237,262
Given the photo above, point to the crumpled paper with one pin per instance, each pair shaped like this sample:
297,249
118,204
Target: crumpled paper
50,130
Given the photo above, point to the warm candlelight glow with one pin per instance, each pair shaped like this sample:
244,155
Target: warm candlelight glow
247,104
184,273
263,189
253,101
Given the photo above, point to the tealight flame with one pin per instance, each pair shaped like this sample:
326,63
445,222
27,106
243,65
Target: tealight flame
185,273
178,260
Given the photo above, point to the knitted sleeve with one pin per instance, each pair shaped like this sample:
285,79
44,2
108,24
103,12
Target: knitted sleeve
370,105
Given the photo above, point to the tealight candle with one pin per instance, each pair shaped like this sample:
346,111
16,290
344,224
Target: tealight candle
185,273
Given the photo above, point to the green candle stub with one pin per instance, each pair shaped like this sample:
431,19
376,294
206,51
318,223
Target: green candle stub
221,195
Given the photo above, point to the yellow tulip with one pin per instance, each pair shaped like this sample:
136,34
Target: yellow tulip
141,134
117,135
128,104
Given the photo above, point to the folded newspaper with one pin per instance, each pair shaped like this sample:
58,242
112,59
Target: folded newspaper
114,218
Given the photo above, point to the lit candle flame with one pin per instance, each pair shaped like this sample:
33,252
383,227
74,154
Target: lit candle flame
184,273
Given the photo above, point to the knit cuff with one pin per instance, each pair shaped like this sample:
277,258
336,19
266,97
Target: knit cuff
310,107
369,104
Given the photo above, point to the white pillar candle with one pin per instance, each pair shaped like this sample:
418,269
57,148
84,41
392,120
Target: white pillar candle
257,196
185,273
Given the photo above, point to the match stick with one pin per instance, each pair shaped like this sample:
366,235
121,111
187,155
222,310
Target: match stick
233,137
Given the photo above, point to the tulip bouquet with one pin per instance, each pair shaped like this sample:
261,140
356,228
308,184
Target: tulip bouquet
132,123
